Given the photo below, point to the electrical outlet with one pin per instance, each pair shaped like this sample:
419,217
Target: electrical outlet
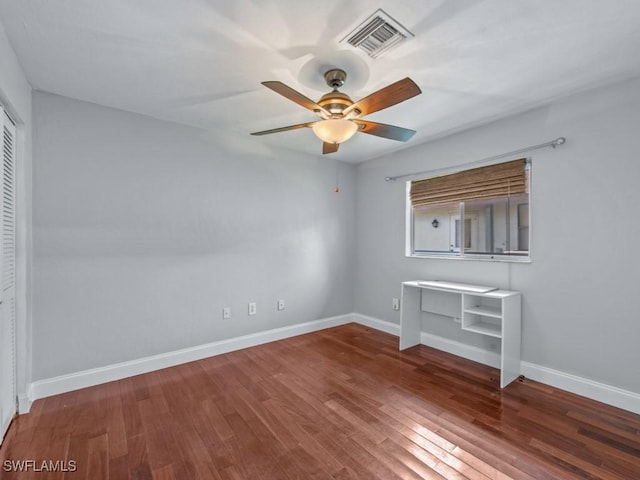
396,304
252,308
280,304
226,313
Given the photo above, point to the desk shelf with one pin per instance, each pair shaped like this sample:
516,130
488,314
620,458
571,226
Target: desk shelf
482,314
484,328
485,311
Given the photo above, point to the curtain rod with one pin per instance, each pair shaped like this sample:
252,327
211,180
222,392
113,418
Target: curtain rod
552,143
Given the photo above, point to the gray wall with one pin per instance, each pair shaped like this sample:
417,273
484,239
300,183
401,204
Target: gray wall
144,230
580,312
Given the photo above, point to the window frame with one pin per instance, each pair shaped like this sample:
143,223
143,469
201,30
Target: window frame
462,255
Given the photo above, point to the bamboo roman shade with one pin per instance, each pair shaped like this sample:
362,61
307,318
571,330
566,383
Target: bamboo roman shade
493,181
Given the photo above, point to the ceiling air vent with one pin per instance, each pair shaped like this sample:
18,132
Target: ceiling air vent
377,34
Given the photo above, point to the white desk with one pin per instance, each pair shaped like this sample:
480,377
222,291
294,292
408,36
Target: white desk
483,310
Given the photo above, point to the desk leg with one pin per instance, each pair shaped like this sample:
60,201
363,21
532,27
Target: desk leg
410,317
511,340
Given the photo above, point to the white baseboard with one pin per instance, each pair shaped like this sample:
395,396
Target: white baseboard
461,349
96,376
450,346
608,394
377,324
585,387
24,402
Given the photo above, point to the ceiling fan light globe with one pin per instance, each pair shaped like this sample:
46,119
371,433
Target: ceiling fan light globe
334,130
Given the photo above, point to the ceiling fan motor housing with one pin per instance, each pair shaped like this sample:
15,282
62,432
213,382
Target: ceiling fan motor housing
335,102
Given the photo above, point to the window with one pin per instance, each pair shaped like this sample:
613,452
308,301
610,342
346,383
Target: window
476,213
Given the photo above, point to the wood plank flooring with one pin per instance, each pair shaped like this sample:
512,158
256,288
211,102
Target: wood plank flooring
341,403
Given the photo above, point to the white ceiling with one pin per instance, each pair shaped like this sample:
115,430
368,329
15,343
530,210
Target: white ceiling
200,62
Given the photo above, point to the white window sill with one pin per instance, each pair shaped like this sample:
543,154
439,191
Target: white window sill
481,258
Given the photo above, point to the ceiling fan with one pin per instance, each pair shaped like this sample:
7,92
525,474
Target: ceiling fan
341,117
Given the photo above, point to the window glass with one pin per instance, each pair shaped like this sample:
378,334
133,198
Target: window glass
494,225
432,228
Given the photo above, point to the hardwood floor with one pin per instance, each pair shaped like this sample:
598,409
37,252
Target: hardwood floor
337,404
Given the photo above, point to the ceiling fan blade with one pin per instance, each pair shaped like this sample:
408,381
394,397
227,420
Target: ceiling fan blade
329,147
385,97
284,129
387,131
295,96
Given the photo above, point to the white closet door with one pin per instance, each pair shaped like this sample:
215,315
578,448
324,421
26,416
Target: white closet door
7,267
